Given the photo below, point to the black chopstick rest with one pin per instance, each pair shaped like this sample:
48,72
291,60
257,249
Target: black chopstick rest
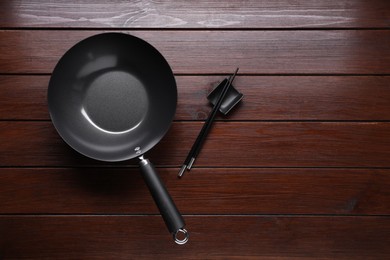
232,98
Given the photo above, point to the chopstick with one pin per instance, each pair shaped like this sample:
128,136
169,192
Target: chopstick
195,149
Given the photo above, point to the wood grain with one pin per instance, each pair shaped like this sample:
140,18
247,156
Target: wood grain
248,144
212,237
210,52
266,97
200,14
202,191
299,170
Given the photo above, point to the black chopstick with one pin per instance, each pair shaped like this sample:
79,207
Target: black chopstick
191,157
189,161
206,128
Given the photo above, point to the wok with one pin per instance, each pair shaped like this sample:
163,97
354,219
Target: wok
112,97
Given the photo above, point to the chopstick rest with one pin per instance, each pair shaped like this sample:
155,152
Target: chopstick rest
232,98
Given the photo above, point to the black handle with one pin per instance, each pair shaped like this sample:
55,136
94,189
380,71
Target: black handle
168,210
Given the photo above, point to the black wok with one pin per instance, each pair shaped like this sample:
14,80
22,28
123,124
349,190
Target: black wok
112,97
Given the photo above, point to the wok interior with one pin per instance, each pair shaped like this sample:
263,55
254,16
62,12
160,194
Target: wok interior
112,97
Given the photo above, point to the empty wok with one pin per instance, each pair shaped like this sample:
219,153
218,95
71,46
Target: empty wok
112,97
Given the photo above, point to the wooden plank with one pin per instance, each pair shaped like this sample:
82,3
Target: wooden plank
202,191
23,97
247,144
216,237
201,14
266,97
208,52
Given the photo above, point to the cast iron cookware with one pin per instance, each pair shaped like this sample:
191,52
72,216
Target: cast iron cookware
112,97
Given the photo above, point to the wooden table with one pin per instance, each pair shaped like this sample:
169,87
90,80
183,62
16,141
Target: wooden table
300,169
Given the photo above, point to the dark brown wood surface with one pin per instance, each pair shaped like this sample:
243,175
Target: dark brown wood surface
214,237
243,144
268,98
299,169
233,191
210,52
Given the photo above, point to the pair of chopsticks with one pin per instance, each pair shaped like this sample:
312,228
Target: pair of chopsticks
191,157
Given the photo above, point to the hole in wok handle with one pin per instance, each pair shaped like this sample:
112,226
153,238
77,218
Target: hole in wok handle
181,236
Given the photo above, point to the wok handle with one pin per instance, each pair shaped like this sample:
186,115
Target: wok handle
172,218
